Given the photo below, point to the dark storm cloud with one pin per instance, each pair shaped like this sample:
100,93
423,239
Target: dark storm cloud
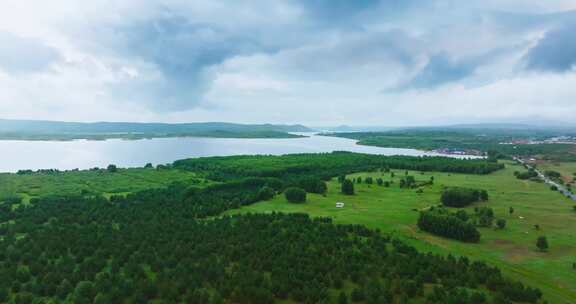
24,55
555,52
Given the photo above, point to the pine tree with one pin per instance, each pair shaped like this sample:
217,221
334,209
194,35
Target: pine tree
342,299
542,243
348,187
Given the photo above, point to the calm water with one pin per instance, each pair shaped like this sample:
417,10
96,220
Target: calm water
85,154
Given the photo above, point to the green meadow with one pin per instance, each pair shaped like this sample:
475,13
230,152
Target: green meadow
99,182
567,169
395,211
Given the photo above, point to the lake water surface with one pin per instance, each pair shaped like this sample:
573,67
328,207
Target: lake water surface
84,154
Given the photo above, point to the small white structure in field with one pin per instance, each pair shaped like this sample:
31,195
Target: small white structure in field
521,217
339,205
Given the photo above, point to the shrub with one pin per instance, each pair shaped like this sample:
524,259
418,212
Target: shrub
295,195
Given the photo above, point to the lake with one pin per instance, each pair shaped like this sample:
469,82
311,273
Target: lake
84,154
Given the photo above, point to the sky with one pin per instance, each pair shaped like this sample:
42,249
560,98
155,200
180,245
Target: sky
315,62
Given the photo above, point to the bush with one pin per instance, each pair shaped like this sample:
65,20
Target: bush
295,195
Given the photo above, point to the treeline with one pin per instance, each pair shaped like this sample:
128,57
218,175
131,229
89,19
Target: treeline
459,225
323,166
91,250
197,202
443,223
462,197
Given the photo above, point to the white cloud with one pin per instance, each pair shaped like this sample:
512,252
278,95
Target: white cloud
274,61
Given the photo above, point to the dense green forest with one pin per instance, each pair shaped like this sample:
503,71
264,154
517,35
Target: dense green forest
483,140
170,244
325,165
91,250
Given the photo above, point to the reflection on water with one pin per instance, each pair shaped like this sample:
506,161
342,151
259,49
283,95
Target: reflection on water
85,154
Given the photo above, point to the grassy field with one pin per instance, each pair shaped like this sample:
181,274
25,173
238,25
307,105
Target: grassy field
568,170
394,210
101,182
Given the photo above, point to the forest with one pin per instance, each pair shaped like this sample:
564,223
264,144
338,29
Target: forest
172,245
139,251
324,166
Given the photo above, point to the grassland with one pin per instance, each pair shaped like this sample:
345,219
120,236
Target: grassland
395,211
100,182
567,169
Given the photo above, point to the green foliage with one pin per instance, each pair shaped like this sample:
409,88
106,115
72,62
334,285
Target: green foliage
266,193
552,174
501,223
162,251
348,187
526,174
312,185
542,243
442,222
324,166
461,197
342,298
112,168
484,216
295,195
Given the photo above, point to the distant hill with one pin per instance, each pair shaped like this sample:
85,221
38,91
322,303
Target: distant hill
58,130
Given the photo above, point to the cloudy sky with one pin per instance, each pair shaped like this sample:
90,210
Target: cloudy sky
317,62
